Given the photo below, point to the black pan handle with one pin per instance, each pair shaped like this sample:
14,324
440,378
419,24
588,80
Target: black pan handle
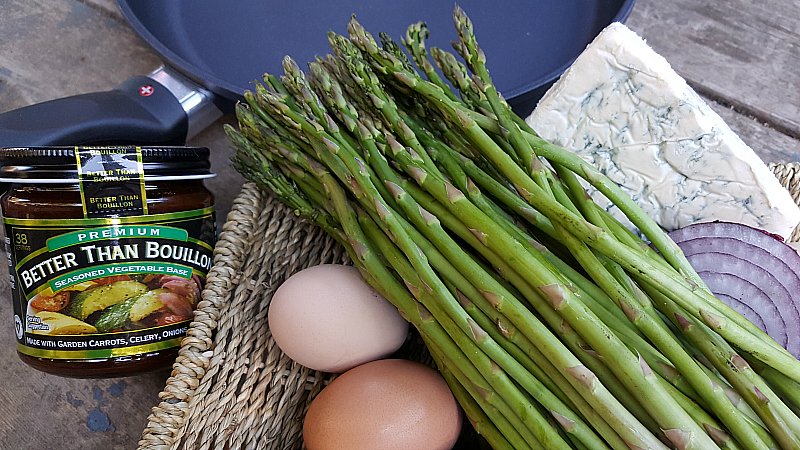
140,110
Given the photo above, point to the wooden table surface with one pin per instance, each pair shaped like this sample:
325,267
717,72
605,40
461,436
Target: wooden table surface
743,56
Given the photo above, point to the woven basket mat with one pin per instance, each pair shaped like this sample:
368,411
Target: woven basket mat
231,387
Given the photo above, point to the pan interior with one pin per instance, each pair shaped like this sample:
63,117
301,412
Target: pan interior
228,45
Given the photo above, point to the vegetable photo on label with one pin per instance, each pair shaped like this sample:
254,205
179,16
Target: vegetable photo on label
101,297
118,303
57,323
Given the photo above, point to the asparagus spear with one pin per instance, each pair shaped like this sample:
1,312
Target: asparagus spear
302,142
671,416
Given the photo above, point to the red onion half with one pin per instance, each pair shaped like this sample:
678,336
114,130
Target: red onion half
753,272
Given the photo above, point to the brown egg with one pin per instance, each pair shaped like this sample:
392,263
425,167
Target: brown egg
391,404
328,318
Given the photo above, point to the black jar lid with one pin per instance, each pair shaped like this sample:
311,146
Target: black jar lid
59,164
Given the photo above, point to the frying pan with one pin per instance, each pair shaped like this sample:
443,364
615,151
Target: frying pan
213,51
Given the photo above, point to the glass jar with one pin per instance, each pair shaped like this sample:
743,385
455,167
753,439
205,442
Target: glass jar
108,252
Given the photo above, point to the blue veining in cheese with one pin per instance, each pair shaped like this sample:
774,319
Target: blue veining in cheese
621,107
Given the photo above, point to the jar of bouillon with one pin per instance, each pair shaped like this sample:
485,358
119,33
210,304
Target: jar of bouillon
108,250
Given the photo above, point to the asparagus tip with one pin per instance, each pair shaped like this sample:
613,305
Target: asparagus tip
405,78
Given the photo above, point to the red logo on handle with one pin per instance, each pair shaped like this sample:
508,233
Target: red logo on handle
146,90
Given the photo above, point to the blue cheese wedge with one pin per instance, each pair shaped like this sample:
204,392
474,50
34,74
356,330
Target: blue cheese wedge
621,107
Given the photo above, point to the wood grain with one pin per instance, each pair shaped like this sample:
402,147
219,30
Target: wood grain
770,144
741,51
52,49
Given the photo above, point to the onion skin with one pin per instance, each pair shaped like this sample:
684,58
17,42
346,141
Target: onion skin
752,271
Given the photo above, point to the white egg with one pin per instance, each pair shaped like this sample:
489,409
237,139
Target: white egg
328,318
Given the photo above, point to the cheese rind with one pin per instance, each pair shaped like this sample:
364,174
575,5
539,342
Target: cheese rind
621,107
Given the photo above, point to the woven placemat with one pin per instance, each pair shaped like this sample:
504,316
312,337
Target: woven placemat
231,387
789,176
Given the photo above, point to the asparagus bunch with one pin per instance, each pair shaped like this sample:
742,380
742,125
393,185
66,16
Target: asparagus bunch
554,325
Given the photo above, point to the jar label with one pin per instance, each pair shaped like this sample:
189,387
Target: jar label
111,180
102,288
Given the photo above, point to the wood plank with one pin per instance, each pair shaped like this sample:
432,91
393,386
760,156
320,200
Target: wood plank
741,51
52,49
768,143
106,7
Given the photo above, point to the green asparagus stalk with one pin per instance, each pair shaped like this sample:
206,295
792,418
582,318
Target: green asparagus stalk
662,242
430,279
543,276
456,250
479,406
484,427
734,369
639,311
788,389
414,41
457,259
